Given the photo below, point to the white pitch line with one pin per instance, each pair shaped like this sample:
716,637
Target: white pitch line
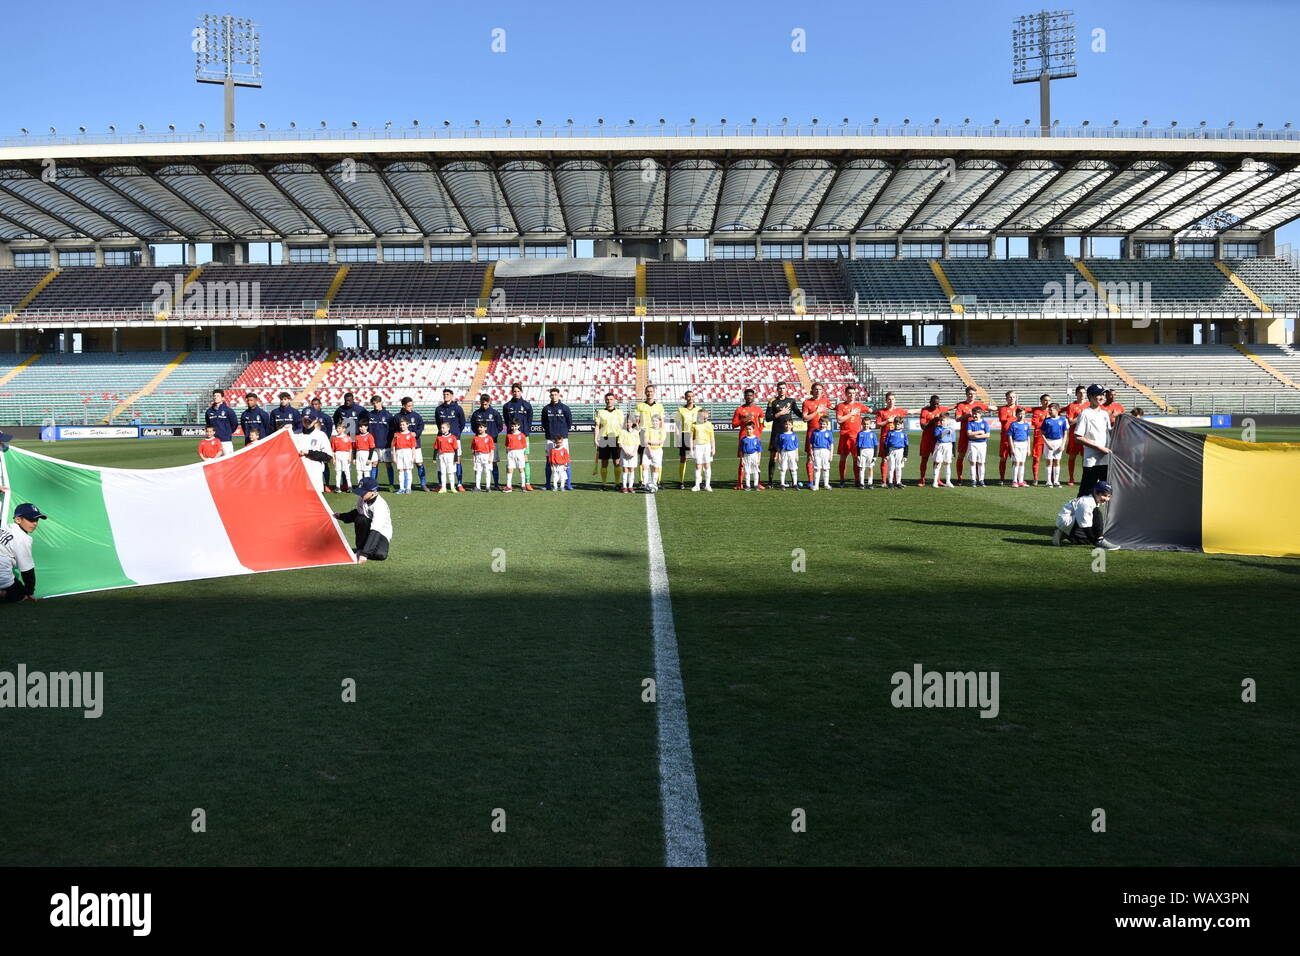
683,826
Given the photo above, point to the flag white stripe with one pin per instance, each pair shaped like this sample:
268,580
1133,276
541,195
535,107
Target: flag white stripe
683,825
166,526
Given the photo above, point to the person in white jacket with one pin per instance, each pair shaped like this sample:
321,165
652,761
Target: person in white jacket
314,449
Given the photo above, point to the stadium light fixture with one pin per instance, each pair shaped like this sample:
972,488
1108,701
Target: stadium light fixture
228,51
1044,48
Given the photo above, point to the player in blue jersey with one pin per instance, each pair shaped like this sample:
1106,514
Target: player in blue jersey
867,442
977,445
821,445
382,426
896,445
945,438
787,450
1053,430
751,447
1019,432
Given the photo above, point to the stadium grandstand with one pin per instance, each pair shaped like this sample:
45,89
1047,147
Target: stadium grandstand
408,261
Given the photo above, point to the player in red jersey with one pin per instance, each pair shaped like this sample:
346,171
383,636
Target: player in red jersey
1036,420
930,413
749,413
885,416
812,409
962,412
1006,415
849,415
1114,408
210,447
1072,447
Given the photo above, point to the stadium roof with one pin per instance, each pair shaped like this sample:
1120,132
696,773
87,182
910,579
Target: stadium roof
832,183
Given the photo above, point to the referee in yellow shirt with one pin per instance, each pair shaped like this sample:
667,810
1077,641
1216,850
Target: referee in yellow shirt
609,422
645,413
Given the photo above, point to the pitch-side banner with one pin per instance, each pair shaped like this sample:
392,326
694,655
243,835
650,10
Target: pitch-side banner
117,527
1184,491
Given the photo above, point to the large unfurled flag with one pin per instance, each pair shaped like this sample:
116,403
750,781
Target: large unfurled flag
541,336
117,527
1184,491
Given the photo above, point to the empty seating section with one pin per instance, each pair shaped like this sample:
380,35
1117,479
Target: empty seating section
718,287
285,370
1284,358
566,293
1011,285
420,374
824,284
828,364
449,284
889,285
1031,370
80,388
277,287
15,284
1276,281
912,374
720,374
188,386
1174,285
1179,373
583,375
124,288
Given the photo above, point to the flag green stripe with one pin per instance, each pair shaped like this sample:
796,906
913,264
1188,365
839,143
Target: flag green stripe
74,548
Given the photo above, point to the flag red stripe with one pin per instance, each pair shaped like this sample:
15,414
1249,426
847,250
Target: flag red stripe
270,475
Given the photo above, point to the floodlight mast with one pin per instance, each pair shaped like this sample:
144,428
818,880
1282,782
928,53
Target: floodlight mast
228,50
1043,48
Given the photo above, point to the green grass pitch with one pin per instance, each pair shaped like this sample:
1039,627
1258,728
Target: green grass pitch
521,690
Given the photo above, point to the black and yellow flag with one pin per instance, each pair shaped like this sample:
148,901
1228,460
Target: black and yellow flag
1184,491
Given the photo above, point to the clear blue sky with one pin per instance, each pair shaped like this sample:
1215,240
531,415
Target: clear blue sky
400,60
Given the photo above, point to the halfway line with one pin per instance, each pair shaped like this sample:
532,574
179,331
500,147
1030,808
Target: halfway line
683,825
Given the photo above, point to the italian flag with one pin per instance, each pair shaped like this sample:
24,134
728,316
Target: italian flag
117,528
541,336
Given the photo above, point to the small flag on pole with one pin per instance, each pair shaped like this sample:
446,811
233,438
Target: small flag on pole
690,333
642,335
739,337
541,336
591,333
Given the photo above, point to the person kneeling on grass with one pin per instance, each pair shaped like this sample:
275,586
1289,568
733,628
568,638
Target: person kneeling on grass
373,520
1080,519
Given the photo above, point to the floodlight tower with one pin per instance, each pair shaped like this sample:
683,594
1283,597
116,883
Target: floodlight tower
1043,48
228,50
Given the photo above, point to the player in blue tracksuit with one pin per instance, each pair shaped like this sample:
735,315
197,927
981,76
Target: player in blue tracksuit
451,413
223,420
896,446
382,426
518,409
414,424
326,422
255,417
349,415
557,422
491,419
285,414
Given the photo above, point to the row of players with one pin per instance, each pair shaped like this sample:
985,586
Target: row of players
367,439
